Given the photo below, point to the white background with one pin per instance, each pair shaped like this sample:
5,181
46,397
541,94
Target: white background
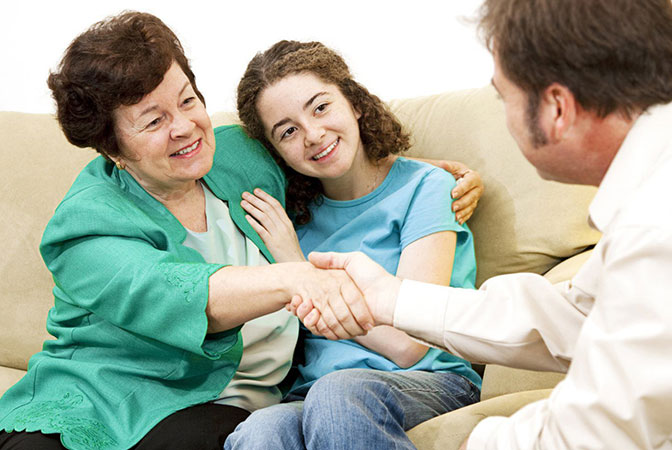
397,49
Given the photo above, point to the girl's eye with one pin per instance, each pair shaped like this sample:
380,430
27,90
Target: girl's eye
321,107
288,132
189,100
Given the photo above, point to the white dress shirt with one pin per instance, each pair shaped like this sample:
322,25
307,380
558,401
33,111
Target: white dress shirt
610,327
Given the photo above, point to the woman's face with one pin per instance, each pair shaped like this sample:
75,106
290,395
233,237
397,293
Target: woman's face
166,141
312,125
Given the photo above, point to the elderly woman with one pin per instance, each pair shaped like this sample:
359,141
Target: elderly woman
155,266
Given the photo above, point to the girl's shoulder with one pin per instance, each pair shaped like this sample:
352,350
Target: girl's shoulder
414,172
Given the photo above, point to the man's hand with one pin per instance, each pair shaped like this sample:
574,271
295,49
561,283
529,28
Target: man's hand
378,287
343,312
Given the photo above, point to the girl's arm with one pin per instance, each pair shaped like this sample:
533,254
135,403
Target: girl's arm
429,259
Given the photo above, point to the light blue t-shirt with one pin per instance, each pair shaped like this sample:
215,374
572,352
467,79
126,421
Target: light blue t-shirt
412,202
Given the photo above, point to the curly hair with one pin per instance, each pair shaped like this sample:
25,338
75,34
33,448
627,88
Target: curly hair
380,131
117,61
614,55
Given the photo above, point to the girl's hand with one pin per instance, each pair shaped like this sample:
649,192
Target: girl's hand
270,221
469,187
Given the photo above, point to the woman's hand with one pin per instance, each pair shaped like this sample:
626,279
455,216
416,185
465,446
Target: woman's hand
270,221
469,187
379,288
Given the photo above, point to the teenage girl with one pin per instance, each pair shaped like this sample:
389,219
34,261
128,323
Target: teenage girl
349,190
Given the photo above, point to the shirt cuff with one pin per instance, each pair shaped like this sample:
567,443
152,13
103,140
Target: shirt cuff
481,434
421,309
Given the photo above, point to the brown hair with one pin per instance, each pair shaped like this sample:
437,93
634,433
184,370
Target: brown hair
117,61
380,131
614,55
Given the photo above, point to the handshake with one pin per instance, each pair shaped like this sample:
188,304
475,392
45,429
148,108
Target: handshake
348,294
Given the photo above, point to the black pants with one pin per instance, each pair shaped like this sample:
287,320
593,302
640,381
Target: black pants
199,427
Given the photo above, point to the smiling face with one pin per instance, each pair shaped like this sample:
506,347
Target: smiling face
166,140
313,127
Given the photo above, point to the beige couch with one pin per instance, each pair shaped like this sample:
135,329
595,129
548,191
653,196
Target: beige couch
522,224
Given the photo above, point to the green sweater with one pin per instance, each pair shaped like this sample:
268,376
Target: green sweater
129,313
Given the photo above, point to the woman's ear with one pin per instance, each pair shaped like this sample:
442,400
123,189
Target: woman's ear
558,111
119,162
358,113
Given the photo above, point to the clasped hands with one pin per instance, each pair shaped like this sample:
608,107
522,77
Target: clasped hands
360,296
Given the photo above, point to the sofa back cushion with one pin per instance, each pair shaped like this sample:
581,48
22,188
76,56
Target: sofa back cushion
522,223
37,167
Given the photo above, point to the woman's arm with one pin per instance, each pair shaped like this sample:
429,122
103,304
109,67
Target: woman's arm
238,294
429,259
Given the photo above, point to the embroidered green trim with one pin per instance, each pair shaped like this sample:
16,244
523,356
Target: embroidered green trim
76,432
185,277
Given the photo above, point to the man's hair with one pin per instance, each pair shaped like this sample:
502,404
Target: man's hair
614,55
380,131
115,62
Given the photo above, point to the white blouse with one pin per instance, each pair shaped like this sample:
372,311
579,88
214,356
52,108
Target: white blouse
268,341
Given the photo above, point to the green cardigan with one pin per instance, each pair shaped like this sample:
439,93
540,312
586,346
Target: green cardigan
129,314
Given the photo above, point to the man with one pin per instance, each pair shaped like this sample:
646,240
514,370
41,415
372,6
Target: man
587,89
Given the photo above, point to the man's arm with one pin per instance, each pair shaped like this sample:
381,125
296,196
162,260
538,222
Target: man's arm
617,392
517,320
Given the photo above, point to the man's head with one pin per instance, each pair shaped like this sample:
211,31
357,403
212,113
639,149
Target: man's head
571,71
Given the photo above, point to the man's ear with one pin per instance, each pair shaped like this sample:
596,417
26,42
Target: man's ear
558,111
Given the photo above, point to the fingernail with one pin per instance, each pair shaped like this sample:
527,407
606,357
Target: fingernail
368,327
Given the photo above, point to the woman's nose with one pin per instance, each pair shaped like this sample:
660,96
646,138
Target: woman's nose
313,133
182,125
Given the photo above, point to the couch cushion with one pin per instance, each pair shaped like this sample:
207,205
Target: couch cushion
37,167
522,223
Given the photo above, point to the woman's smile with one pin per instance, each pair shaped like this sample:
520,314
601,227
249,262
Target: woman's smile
328,152
188,152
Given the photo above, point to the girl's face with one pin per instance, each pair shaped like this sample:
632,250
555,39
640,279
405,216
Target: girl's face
312,125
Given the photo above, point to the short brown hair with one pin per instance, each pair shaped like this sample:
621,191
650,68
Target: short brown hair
380,131
117,61
614,55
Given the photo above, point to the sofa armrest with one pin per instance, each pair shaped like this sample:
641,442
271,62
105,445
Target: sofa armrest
566,269
448,431
500,380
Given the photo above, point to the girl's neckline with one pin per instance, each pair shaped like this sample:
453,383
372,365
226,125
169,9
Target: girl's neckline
371,195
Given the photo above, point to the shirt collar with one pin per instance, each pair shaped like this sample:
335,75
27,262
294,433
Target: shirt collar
644,145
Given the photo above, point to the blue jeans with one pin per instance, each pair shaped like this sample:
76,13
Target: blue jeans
355,409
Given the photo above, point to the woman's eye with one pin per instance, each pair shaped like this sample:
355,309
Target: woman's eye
188,100
154,123
288,132
321,107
